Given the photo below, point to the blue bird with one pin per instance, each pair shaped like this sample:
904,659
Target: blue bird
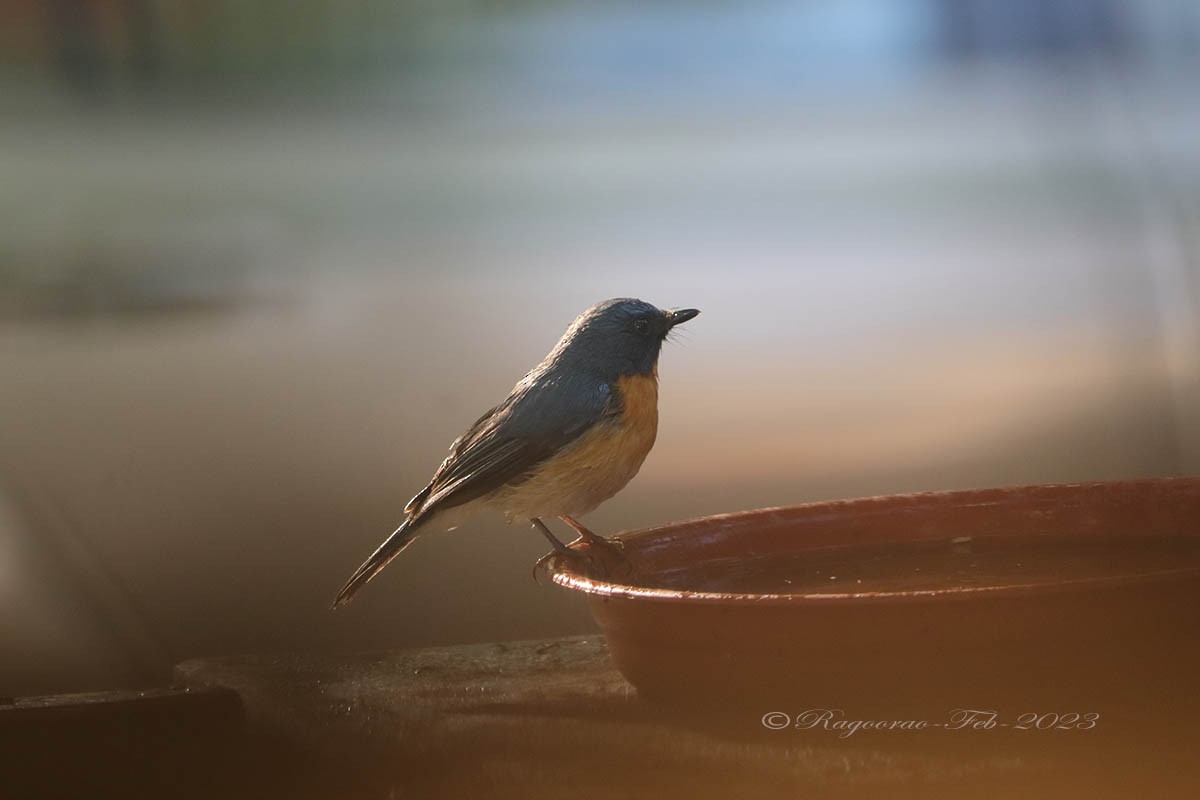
573,433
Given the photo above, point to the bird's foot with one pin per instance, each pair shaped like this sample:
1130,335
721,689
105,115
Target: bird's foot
589,537
596,558
590,554
604,551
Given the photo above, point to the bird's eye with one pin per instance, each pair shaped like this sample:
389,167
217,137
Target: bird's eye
641,326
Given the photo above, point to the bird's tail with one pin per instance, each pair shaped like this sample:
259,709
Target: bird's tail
391,547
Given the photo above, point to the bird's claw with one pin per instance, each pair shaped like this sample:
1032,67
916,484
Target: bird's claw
543,565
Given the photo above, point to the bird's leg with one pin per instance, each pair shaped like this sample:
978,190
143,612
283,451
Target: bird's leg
560,549
558,546
592,539
583,532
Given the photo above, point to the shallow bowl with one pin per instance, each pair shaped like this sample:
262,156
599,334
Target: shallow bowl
1078,613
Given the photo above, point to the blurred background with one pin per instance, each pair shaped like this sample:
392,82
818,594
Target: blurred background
261,261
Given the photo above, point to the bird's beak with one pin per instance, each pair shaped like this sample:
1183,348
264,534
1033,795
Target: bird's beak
680,315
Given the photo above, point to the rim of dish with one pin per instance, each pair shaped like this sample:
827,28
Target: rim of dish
563,575
568,579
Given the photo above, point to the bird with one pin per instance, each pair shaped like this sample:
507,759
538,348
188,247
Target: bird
571,434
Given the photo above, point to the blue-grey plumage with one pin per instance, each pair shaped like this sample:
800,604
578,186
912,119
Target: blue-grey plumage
570,435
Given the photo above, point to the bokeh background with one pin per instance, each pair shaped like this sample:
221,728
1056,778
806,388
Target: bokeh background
261,261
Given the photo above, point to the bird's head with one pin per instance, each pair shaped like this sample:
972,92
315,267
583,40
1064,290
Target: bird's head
618,337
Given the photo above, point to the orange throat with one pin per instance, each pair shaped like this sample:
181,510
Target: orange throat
639,401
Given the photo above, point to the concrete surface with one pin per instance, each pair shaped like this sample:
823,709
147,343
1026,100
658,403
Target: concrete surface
552,718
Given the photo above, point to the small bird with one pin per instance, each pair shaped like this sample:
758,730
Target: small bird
571,434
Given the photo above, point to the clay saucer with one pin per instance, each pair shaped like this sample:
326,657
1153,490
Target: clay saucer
1060,594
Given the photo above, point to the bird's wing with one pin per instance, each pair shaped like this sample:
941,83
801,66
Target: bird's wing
541,416
456,449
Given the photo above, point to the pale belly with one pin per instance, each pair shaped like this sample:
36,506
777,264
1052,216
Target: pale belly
585,474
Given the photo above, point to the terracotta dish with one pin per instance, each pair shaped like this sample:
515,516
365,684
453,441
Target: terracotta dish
1046,594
